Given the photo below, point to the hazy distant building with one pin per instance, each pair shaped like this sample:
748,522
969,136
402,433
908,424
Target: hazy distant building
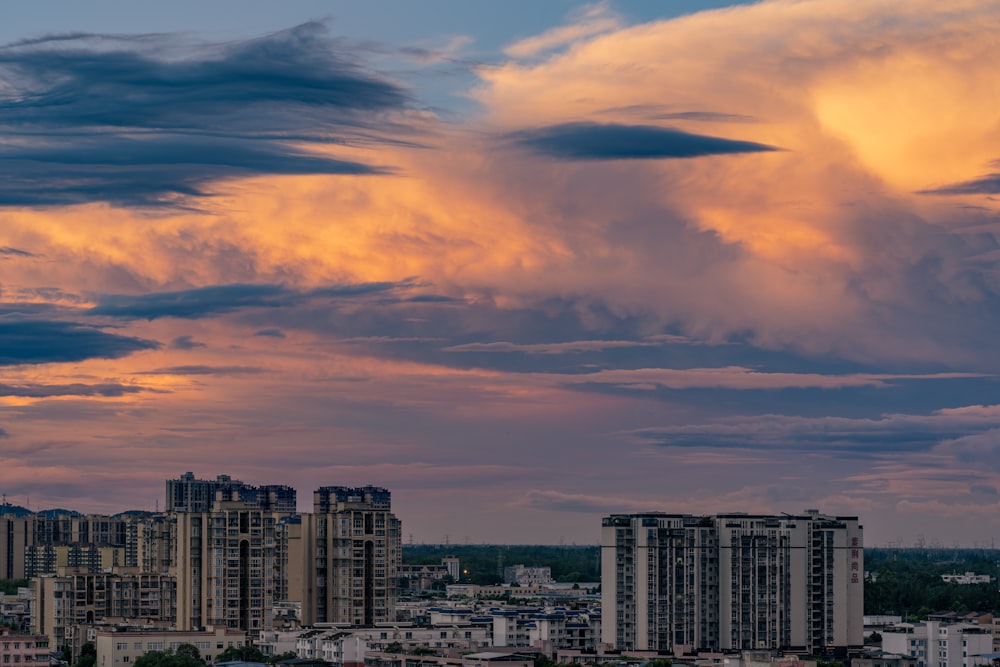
731,582
526,576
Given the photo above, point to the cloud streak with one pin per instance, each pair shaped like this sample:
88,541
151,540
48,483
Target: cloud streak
152,121
615,141
24,341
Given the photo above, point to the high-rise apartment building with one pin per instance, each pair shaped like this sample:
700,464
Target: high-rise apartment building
348,552
16,536
225,566
731,581
187,494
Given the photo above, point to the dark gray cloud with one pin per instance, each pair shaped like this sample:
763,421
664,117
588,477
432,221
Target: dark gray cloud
707,116
110,390
147,171
985,185
219,299
27,341
7,251
185,343
204,370
888,434
129,120
270,332
612,141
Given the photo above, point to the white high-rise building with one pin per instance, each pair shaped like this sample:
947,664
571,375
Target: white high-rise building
731,581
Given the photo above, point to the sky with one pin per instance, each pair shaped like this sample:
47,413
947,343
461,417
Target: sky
523,264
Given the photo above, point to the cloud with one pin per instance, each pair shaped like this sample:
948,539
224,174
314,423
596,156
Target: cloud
890,434
270,333
736,377
984,185
204,370
107,390
613,141
7,251
185,343
707,116
590,21
218,299
48,341
154,119
148,171
556,501
547,348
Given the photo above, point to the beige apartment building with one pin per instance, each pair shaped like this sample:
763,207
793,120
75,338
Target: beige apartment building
225,566
69,601
119,646
347,553
15,537
681,583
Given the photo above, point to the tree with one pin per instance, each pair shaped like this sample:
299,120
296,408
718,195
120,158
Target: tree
185,655
287,655
246,653
394,647
88,655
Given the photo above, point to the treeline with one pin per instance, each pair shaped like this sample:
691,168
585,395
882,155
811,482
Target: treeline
484,563
907,582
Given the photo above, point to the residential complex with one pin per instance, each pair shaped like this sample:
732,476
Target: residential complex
681,583
222,556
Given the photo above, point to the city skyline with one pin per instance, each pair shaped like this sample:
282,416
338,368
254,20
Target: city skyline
524,264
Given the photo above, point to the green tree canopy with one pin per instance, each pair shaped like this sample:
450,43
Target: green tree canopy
242,653
88,655
185,655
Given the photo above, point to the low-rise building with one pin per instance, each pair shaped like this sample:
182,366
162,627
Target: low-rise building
967,578
937,644
119,646
526,576
18,650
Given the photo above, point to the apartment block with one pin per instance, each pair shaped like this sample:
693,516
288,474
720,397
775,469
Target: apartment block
348,552
73,599
682,583
16,536
225,566
187,494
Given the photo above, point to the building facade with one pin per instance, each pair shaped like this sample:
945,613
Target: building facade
18,650
683,583
348,552
73,599
188,494
940,644
225,565
120,646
